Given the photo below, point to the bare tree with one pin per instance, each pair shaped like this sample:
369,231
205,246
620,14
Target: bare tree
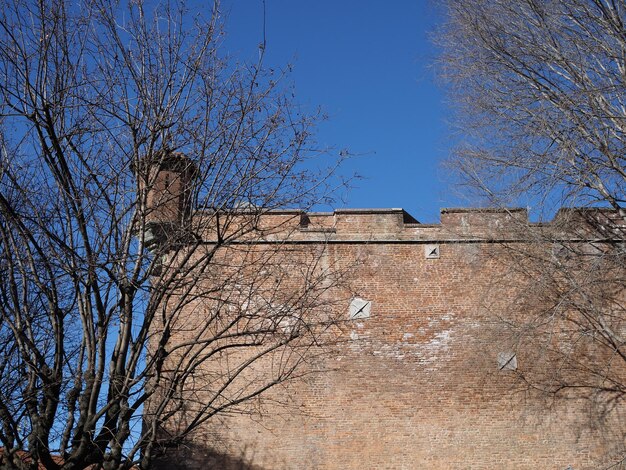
540,94
127,320
540,89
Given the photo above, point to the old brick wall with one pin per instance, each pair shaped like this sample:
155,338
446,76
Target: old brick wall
416,384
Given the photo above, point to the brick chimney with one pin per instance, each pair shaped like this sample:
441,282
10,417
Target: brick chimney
168,178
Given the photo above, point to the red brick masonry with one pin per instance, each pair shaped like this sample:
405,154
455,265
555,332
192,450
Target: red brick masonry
415,382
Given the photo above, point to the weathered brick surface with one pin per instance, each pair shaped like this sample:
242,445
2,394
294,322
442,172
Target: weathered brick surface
415,385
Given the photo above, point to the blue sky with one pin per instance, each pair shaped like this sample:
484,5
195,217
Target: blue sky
368,65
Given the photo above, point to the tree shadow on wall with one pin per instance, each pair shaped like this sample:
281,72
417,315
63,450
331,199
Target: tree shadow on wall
197,457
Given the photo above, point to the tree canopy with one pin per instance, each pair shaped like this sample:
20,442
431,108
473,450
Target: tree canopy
539,87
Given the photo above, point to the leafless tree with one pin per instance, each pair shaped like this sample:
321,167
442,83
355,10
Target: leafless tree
120,309
539,87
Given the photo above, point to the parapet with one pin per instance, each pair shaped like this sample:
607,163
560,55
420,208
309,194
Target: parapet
474,218
398,226
371,225
381,221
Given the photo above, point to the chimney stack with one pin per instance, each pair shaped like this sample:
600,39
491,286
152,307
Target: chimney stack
168,179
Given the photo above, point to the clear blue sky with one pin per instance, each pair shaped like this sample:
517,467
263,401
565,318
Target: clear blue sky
367,64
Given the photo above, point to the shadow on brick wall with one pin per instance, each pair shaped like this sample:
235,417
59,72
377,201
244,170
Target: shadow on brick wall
195,457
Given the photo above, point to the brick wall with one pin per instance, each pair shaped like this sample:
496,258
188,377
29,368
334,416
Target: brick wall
415,382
